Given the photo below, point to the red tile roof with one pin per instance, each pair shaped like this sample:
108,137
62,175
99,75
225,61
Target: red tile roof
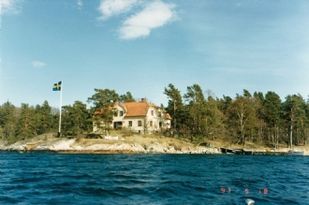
136,109
133,109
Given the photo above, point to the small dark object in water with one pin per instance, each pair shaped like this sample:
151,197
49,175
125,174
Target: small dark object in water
226,151
242,152
296,153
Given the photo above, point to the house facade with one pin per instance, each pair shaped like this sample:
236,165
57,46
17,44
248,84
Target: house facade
139,117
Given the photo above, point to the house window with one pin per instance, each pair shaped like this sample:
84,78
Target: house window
151,112
151,123
115,114
121,113
140,123
130,123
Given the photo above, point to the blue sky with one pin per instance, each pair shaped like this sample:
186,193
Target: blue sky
143,45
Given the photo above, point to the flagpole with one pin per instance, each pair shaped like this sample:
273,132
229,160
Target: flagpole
60,109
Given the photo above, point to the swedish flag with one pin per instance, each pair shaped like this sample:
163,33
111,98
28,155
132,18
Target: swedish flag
57,86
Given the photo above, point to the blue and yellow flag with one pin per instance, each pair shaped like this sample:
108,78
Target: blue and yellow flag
57,86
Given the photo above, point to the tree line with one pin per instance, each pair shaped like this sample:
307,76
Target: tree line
258,117
24,122
255,117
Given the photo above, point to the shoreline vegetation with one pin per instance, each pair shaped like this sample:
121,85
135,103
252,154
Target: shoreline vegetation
200,123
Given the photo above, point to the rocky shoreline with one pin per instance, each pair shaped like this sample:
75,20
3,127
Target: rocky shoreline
131,145
104,147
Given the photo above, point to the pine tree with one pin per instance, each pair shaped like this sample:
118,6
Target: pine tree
271,115
214,120
176,109
76,119
26,124
8,120
103,98
294,115
127,97
197,109
44,118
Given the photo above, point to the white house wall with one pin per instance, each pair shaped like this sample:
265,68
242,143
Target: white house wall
118,118
151,116
134,121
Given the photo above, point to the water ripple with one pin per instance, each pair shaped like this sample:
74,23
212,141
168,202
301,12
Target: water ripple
49,178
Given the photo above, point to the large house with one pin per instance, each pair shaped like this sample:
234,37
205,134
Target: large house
139,117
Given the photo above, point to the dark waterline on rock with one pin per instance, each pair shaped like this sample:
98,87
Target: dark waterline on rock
50,178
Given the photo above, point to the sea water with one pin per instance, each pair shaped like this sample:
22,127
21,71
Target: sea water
50,178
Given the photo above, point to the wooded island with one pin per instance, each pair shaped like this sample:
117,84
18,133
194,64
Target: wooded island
259,118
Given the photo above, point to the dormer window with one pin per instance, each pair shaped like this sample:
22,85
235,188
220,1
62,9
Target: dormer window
120,113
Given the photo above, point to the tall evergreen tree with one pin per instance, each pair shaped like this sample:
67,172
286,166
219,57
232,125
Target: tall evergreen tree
197,109
7,121
214,119
44,118
224,104
76,119
176,109
127,97
26,124
103,98
294,114
271,115
307,123
102,109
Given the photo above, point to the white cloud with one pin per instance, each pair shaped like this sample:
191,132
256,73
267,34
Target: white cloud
110,8
80,4
154,15
5,5
10,7
38,64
